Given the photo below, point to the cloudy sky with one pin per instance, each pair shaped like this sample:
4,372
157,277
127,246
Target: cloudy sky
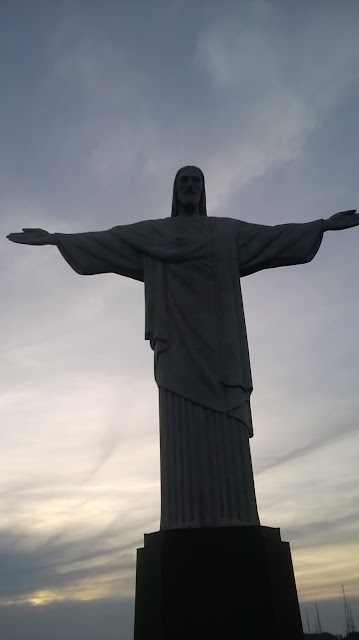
101,102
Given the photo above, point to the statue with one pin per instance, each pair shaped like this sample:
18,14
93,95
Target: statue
191,267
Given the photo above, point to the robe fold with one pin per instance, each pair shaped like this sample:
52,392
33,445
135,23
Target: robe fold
191,268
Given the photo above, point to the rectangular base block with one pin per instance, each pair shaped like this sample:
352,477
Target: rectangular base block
225,583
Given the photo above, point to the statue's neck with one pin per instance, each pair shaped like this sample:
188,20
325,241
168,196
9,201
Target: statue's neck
188,210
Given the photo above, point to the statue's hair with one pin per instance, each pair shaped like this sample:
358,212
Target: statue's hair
202,202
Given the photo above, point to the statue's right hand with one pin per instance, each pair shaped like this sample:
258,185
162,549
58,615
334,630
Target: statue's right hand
32,236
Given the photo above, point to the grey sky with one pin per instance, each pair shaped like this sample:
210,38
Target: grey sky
101,103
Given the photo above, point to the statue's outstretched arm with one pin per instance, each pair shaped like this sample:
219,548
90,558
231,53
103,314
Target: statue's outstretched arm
264,247
91,253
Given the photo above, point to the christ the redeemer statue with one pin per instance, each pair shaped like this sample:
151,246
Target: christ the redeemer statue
191,266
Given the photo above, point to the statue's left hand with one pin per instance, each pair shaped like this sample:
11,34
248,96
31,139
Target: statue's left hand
342,220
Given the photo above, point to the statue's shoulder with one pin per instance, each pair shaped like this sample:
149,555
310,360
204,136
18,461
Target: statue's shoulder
227,220
150,225
158,223
231,224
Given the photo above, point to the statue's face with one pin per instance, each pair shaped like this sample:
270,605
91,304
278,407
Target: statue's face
189,188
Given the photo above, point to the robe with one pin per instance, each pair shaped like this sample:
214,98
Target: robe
194,319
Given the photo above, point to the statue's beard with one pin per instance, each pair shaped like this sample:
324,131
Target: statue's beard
189,208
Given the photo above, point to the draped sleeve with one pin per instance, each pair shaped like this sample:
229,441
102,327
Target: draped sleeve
265,247
98,252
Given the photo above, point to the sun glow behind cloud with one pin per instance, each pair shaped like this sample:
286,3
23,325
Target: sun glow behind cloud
46,597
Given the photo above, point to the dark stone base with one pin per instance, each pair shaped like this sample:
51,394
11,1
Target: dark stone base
226,583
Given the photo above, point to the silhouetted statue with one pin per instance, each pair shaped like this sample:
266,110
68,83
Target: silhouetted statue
191,266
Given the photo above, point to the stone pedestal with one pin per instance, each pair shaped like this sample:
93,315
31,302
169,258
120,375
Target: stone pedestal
227,583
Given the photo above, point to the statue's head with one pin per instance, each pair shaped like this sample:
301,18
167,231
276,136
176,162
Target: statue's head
189,194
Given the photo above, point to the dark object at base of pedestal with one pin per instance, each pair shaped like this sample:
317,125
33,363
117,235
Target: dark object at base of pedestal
228,583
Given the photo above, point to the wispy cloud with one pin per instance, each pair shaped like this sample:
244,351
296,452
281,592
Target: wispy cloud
66,567
310,447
